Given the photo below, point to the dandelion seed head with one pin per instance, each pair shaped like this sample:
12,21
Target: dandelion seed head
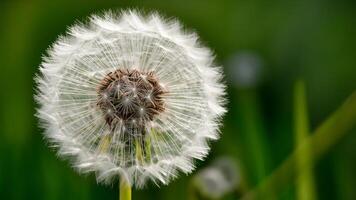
130,95
245,69
218,179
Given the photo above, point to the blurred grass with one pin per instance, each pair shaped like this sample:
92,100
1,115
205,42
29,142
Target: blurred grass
305,185
308,38
320,142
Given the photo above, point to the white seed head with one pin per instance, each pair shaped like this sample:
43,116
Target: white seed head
245,69
130,95
218,179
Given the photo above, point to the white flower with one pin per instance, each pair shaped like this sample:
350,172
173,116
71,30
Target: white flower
133,96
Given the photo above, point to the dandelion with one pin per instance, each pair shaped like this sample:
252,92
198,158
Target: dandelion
218,179
130,96
245,69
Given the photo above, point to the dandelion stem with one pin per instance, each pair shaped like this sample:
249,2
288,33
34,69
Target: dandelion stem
305,181
125,189
324,137
254,136
255,133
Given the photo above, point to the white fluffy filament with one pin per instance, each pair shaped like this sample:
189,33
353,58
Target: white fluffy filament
75,124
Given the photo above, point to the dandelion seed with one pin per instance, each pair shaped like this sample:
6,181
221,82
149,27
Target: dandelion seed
132,96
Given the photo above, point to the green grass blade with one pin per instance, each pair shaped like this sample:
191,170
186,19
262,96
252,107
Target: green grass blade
323,138
305,185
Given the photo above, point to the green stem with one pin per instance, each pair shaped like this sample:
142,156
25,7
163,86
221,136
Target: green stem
125,189
305,180
253,133
329,133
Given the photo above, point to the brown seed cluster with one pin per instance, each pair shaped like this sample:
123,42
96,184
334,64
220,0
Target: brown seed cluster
130,97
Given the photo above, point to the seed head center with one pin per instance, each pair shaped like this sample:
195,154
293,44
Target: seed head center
130,96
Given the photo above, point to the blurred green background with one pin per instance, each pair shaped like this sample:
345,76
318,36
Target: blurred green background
313,40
